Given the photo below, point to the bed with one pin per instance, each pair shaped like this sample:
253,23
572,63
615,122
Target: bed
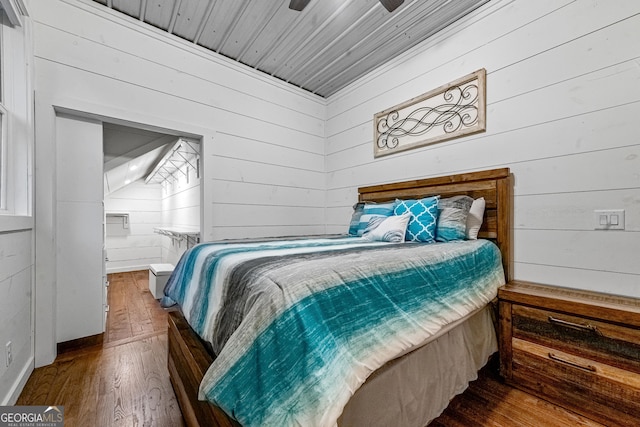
410,379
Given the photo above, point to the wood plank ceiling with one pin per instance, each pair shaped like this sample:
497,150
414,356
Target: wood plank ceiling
322,49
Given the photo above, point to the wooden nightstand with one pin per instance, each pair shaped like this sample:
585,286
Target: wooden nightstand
578,349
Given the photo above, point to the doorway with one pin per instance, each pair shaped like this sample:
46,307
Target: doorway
151,197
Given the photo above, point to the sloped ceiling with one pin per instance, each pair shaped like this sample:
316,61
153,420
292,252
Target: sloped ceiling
130,154
322,49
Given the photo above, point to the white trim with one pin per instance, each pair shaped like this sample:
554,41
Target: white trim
14,10
18,385
10,223
4,142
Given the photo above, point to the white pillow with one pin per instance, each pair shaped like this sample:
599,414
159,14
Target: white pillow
474,219
389,229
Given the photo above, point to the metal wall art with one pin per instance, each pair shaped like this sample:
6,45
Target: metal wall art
450,111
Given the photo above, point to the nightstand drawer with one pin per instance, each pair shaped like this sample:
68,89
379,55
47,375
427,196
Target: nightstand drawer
600,341
611,393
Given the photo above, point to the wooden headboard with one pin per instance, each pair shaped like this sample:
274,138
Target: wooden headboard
494,185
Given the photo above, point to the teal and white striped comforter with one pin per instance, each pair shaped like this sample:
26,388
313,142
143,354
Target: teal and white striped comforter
298,325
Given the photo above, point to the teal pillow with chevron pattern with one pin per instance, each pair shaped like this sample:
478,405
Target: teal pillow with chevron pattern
452,218
424,218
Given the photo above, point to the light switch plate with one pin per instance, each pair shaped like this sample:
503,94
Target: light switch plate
609,219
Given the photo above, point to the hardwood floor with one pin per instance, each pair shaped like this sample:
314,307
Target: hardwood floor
490,402
133,312
125,382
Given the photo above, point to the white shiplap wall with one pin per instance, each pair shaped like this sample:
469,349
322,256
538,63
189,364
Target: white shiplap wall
133,248
269,135
16,270
262,140
180,208
563,98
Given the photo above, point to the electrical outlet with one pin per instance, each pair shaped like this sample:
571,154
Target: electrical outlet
9,354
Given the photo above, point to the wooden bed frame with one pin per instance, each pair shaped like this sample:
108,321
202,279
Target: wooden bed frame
188,356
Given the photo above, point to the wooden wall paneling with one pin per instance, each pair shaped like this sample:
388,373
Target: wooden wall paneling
279,137
181,207
239,147
614,169
513,40
140,202
187,196
381,41
238,101
160,48
240,232
225,168
571,134
14,257
168,78
343,143
233,192
149,239
135,254
609,42
16,265
600,250
517,113
551,151
570,277
574,210
137,246
357,93
184,216
256,215
253,172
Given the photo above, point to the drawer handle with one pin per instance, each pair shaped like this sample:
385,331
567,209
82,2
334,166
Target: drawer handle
589,368
578,326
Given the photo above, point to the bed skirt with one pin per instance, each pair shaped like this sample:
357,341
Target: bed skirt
413,390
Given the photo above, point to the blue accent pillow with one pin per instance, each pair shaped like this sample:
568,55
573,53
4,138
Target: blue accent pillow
452,218
373,210
358,208
424,218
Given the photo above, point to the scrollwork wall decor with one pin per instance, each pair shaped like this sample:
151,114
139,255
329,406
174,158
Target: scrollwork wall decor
450,111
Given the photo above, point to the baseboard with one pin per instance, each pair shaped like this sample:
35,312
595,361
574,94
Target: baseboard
80,343
18,385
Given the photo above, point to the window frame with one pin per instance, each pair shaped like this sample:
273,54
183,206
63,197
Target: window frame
4,132
4,124
16,167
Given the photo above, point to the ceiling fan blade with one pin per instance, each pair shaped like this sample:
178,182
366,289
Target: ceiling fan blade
298,4
390,5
